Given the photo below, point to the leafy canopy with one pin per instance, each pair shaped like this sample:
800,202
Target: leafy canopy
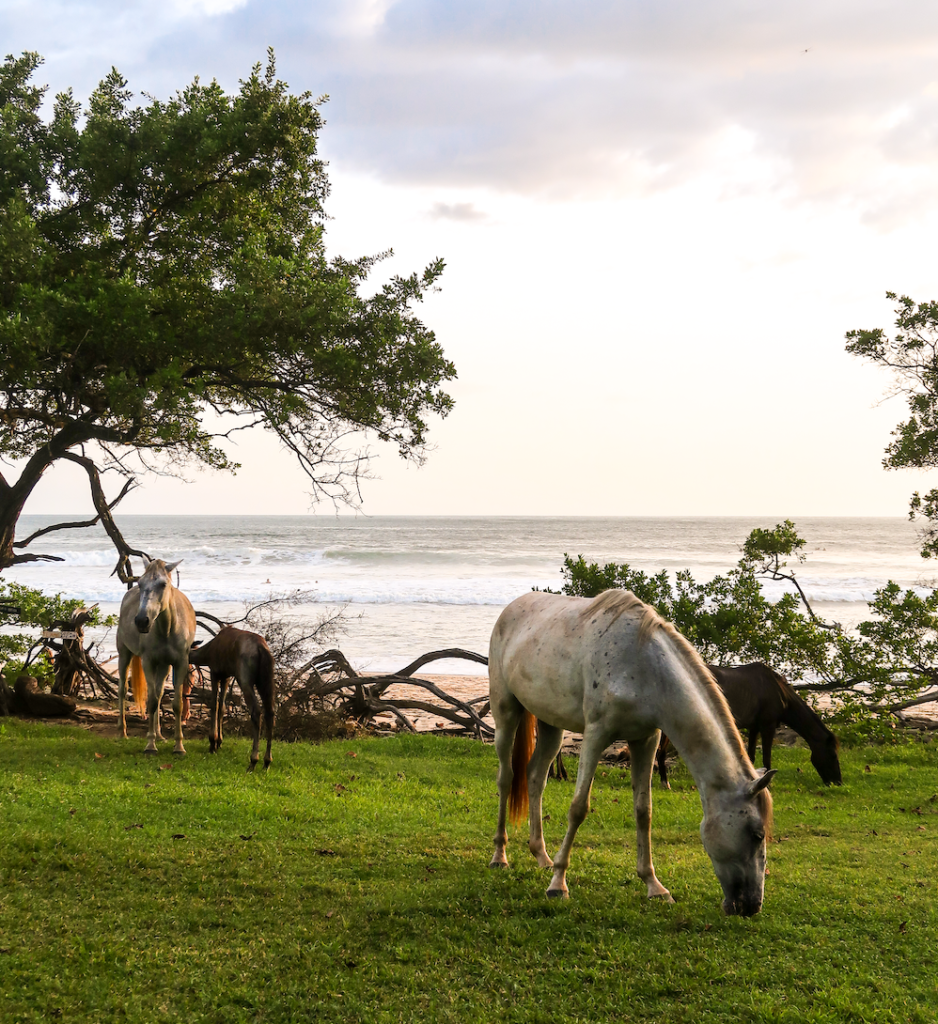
162,261
911,354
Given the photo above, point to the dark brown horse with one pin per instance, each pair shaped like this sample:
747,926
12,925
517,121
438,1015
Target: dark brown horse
246,656
760,699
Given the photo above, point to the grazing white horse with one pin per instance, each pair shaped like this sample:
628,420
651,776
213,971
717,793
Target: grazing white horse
157,624
612,669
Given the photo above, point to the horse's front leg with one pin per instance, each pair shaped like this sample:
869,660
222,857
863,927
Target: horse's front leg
753,741
594,743
661,757
549,740
123,663
642,753
223,684
156,680
180,678
768,737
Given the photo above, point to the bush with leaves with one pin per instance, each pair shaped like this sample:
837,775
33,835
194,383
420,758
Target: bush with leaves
32,608
888,664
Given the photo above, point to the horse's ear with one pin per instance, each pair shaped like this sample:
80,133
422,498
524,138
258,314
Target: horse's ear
764,779
172,565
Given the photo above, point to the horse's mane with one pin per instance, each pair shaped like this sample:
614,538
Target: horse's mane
619,602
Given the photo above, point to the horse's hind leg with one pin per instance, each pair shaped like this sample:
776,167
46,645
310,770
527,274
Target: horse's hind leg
549,740
249,693
507,723
594,743
268,702
642,753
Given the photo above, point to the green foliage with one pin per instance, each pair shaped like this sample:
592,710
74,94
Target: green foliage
163,260
890,659
337,888
911,354
35,609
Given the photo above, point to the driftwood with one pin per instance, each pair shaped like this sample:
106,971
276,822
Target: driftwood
331,681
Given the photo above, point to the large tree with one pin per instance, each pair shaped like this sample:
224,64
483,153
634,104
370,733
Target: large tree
164,280
911,354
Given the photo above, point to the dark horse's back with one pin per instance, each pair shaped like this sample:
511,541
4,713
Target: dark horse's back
754,692
761,699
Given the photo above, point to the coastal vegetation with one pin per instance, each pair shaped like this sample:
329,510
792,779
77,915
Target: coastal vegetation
350,883
164,283
888,664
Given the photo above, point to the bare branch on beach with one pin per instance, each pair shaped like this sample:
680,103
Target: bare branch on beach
365,697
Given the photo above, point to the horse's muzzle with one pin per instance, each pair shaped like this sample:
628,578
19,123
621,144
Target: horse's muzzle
142,623
743,906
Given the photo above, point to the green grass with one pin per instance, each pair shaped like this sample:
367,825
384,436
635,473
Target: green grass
355,888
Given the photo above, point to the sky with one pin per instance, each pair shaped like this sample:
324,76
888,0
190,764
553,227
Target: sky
659,219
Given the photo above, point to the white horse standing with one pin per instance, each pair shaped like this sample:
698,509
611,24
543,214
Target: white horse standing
612,669
157,623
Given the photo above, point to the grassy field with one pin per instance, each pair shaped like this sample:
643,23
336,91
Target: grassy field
349,883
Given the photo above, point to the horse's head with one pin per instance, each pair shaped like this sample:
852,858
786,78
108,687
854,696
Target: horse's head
825,760
156,587
733,833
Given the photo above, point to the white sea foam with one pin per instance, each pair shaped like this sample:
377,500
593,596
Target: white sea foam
424,583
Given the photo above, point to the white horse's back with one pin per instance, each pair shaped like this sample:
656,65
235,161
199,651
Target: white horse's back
569,660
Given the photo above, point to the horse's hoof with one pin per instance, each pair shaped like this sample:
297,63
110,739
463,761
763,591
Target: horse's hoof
179,753
252,766
665,897
154,751
558,894
498,864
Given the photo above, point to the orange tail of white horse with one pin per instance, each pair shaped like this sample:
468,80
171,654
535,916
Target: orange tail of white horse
138,683
520,756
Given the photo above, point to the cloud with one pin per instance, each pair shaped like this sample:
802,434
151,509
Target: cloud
465,212
836,100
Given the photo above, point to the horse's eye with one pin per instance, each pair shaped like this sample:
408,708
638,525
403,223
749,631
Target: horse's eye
758,836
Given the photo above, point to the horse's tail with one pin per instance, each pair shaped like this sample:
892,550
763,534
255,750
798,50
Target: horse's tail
138,683
520,756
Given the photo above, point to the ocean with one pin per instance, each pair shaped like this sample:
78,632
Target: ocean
412,584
